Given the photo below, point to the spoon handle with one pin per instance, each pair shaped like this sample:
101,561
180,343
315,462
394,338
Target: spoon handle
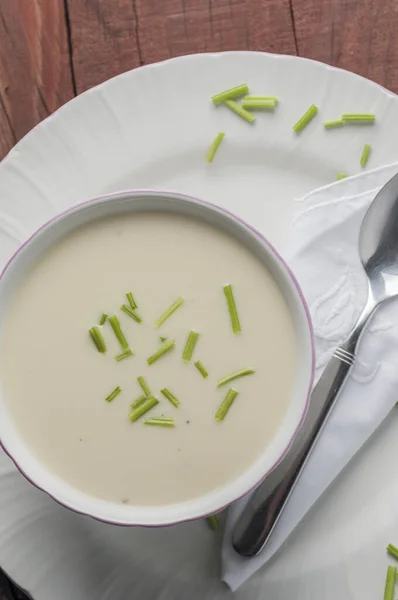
260,516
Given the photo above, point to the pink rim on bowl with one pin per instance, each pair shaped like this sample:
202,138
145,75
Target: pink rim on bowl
271,248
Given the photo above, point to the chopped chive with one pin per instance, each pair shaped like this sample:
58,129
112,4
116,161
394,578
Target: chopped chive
365,154
234,106
190,346
274,99
213,148
162,338
201,369
131,313
341,176
124,355
213,522
258,104
358,118
131,301
239,90
143,408
97,338
306,118
103,318
332,124
144,386
167,346
138,402
160,421
226,404
232,308
113,394
233,376
115,324
175,402
169,312
390,583
393,550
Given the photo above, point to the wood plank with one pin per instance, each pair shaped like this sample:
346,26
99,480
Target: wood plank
358,35
177,27
103,39
35,72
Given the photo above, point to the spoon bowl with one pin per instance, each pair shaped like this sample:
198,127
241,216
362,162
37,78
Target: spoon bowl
378,243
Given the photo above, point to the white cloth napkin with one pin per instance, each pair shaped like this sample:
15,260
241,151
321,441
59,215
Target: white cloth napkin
324,257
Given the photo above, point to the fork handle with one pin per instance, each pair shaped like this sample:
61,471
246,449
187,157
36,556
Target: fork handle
260,516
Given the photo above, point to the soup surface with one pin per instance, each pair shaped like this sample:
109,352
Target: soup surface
55,381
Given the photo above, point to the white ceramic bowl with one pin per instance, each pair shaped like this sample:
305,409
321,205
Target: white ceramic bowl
136,201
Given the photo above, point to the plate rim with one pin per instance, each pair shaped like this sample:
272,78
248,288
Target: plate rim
186,57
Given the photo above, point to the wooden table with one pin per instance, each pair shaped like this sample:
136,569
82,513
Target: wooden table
51,50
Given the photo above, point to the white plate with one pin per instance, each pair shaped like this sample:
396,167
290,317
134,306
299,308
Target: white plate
151,128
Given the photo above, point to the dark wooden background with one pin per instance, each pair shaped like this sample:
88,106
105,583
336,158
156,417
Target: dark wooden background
51,50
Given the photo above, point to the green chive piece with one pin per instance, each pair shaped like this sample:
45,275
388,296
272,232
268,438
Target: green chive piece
239,90
213,522
333,124
103,318
234,106
232,308
390,583
169,312
213,148
359,118
175,402
226,404
190,346
144,386
162,338
131,301
97,338
167,346
115,324
393,550
365,154
202,370
138,402
160,421
258,104
341,176
233,376
113,394
143,408
124,355
131,313
273,99
306,118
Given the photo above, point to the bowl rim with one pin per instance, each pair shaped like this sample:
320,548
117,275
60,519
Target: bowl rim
170,194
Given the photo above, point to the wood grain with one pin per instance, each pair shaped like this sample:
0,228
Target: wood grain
358,35
35,74
103,37
178,27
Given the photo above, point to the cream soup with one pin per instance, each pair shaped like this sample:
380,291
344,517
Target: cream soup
55,381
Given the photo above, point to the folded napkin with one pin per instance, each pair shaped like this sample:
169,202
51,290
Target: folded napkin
324,256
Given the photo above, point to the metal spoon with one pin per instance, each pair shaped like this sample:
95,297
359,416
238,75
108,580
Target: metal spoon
378,249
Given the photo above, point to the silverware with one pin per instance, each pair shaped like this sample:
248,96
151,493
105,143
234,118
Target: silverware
378,250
